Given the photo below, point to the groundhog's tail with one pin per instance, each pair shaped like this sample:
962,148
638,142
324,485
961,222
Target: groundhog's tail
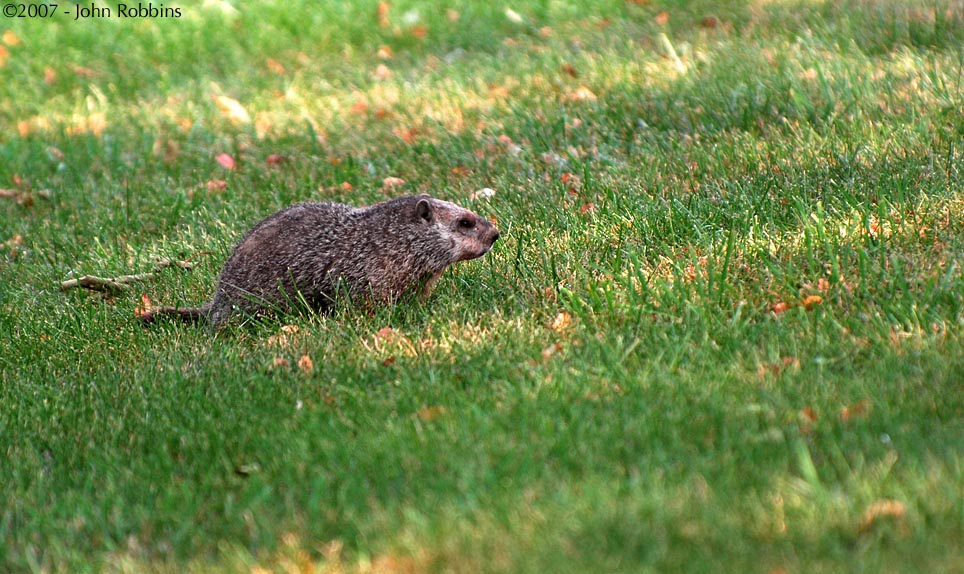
186,314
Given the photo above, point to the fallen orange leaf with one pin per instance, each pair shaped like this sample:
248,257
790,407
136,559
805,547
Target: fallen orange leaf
383,20
10,39
359,108
306,364
811,301
275,66
407,135
885,508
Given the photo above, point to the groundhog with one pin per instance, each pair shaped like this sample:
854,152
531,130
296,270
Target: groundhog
316,253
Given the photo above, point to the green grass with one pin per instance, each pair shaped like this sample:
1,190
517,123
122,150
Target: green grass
638,378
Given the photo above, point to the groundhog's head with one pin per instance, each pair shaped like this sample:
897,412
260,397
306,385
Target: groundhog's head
468,234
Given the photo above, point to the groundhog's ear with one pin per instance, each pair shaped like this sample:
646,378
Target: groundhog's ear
424,209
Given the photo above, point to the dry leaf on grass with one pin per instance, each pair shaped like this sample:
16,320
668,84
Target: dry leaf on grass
581,94
710,22
143,307
811,302
855,411
275,160
561,322
216,185
275,66
786,363
484,193
383,20
11,245
779,307
306,364
407,135
359,108
428,414
10,38
569,179
20,197
283,339
225,161
551,351
382,72
885,508
232,109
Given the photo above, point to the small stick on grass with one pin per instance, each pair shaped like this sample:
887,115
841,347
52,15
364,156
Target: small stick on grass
671,52
121,282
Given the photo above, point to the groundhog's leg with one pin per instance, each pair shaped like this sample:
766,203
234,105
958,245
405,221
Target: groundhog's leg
219,311
428,286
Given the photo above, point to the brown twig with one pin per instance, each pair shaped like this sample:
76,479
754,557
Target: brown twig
121,282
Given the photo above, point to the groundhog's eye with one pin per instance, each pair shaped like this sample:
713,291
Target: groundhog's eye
466,223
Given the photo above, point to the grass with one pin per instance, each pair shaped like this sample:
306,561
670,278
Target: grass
722,330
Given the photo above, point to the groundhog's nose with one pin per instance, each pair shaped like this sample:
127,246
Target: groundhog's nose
495,235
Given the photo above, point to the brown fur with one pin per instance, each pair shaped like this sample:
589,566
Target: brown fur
315,252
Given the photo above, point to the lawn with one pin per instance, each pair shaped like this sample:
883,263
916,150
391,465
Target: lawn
722,330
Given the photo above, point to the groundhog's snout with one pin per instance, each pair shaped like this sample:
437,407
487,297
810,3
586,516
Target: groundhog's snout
495,235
